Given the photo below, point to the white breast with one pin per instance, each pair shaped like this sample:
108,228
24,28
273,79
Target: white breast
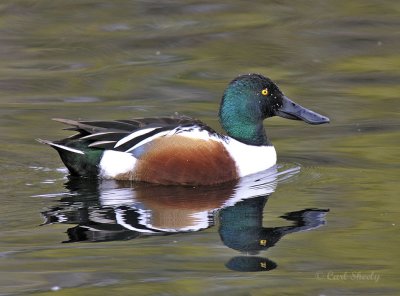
250,159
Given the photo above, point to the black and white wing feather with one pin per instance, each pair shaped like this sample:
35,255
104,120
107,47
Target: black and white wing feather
125,135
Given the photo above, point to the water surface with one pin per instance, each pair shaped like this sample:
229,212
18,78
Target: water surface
125,59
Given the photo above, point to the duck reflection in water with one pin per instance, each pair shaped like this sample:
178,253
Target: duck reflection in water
108,210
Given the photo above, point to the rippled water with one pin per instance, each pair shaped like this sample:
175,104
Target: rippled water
125,59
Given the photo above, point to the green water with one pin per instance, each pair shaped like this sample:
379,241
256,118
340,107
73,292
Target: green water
126,59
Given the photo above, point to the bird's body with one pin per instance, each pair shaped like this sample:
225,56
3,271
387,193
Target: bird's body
182,150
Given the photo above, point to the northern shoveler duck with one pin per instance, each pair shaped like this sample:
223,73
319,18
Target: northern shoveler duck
181,150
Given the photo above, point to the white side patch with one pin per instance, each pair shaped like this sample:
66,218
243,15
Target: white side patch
114,163
250,159
134,135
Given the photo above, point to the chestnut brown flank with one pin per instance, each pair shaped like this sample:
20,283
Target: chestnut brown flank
182,160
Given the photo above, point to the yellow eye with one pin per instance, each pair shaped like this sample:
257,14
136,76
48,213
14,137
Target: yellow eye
264,92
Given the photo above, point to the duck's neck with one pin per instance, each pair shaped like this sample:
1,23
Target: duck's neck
250,133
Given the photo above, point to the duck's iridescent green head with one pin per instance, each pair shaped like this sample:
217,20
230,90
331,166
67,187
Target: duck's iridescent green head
249,99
